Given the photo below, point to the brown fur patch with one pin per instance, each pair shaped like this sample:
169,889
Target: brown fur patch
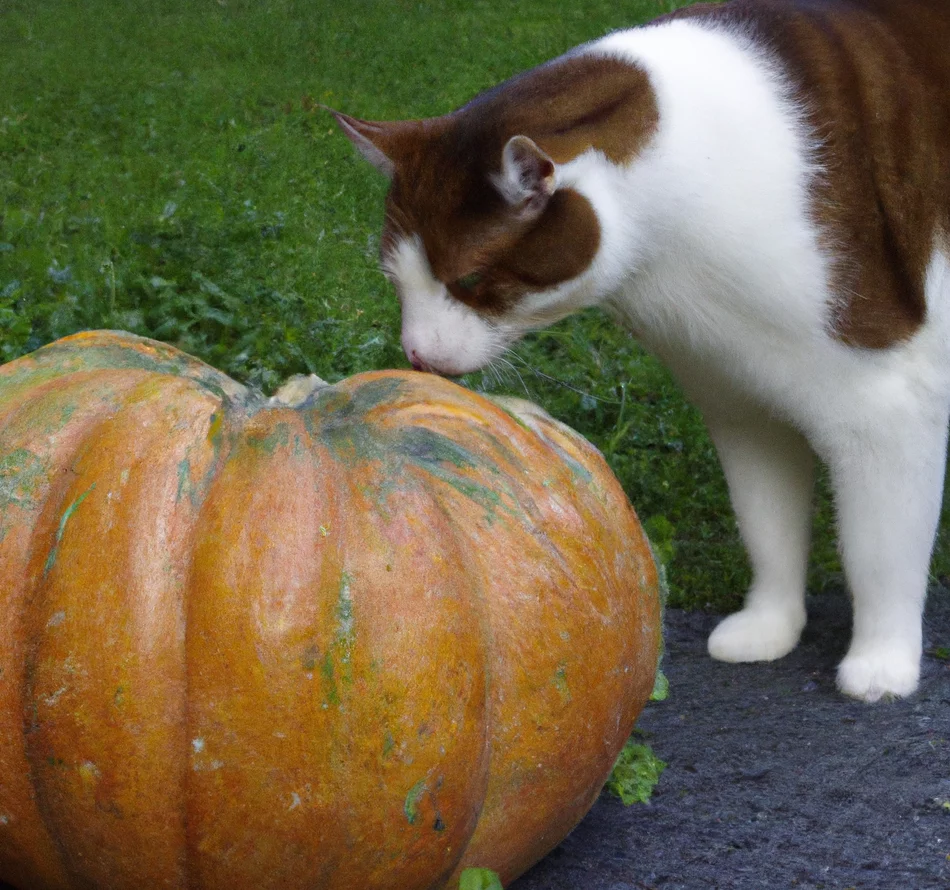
874,79
572,104
443,167
558,248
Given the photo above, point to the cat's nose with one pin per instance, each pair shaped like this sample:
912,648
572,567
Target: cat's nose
417,363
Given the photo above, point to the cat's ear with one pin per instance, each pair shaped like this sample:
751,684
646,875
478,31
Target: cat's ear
528,176
377,141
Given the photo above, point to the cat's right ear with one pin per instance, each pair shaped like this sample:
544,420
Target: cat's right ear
528,177
375,140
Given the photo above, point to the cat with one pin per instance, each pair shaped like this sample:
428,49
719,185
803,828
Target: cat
760,191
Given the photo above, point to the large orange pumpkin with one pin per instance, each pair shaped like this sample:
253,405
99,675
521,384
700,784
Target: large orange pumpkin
359,643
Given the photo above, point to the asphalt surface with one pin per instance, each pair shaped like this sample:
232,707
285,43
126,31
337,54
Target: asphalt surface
775,779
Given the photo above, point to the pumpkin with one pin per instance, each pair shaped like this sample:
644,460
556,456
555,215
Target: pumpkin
364,641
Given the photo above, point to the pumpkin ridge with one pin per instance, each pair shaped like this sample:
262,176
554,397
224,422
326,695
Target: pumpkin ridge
258,457
469,569
20,423
120,350
521,519
427,499
52,767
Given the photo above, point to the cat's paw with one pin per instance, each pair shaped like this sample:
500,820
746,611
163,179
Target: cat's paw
756,635
887,673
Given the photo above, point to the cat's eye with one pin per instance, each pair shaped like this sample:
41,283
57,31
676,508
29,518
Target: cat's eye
470,282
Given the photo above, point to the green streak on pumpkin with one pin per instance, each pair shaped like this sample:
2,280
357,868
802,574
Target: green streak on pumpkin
345,636
328,673
441,457
119,355
214,428
335,403
184,481
347,438
51,559
388,744
65,413
187,486
426,447
411,806
375,393
485,497
128,351
344,611
578,470
217,439
560,681
329,401
342,646
517,418
336,417
21,472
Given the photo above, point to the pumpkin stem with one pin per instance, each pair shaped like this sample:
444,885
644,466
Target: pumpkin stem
296,390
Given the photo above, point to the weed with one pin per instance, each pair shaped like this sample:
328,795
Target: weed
479,879
635,774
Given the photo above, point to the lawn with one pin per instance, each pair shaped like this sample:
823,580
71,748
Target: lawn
165,168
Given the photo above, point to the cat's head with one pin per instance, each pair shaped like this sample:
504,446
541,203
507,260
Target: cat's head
491,225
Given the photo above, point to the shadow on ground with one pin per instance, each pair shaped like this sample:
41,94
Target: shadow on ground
775,779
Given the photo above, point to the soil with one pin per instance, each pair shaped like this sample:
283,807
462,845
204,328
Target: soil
776,780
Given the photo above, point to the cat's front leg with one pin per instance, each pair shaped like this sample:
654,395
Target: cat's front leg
770,472
888,487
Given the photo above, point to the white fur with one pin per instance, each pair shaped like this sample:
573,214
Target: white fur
438,332
708,253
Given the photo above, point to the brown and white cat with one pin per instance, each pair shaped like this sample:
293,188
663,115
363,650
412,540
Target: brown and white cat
760,190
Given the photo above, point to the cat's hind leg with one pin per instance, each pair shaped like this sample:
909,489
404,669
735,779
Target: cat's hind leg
888,489
769,469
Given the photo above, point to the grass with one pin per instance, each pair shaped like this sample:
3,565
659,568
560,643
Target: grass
635,774
479,879
164,169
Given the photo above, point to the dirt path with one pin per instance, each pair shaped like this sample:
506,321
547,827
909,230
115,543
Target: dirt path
775,780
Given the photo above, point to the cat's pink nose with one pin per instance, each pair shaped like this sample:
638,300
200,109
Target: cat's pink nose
417,363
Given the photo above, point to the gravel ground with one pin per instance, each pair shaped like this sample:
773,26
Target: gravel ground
776,780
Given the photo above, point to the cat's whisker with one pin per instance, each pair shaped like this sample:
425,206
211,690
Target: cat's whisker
562,383
511,367
490,371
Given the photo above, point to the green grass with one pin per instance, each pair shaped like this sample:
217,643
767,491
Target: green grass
479,879
635,774
163,169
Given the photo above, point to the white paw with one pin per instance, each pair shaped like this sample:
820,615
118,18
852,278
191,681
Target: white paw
887,673
756,635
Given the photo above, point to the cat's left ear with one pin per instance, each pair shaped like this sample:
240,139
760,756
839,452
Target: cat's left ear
377,141
528,176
